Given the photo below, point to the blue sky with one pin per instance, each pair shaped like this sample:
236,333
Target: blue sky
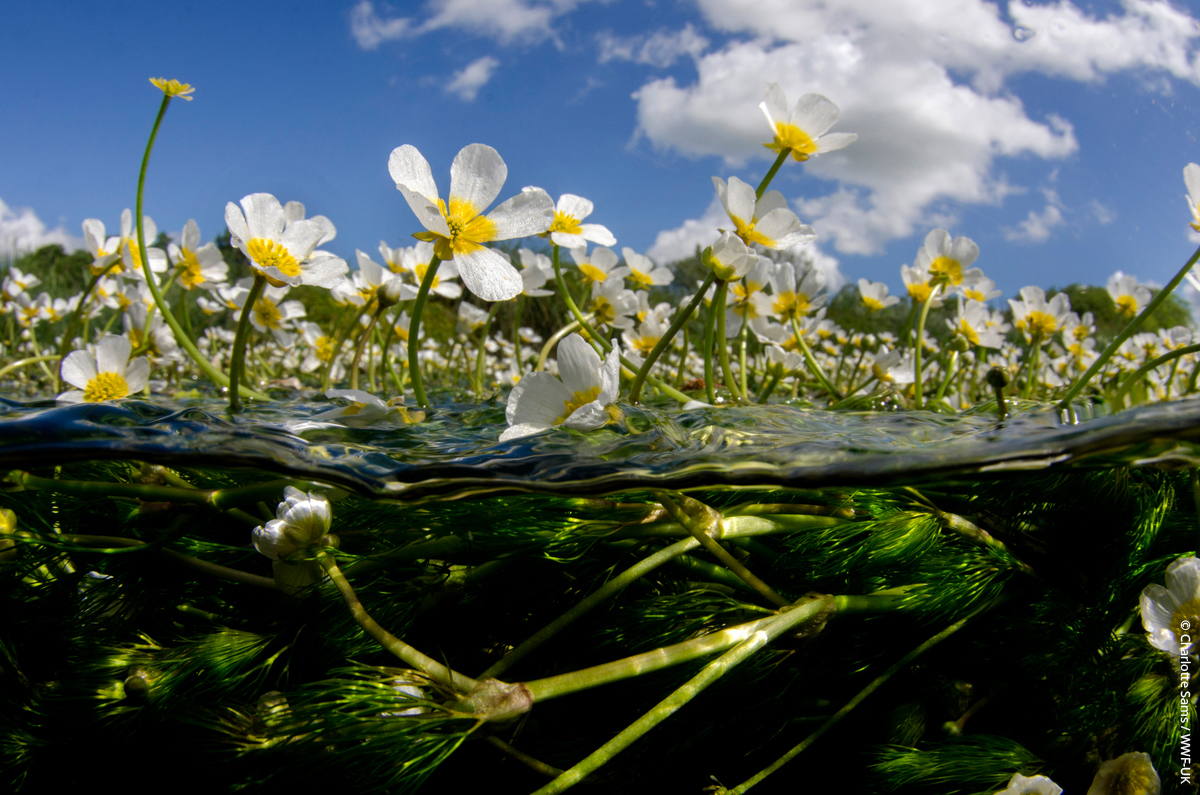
1054,134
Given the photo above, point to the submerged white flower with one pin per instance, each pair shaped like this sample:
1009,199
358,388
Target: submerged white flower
458,228
580,400
1128,774
1030,785
300,521
1168,613
106,376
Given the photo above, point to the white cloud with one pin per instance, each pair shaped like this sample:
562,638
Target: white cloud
660,49
21,231
922,83
506,21
1103,215
370,30
474,76
1036,226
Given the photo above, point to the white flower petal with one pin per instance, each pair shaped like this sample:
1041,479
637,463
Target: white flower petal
575,206
477,175
524,429
137,374
112,354
831,142
587,417
814,114
537,399
598,234
775,104
578,364
264,215
1191,178
410,170
77,369
530,212
236,221
489,275
739,201
1183,579
323,271
568,240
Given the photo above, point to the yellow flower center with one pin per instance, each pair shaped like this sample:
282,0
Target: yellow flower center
967,331
576,402
173,88
267,314
744,289
946,270
603,310
105,386
269,254
189,270
874,304
1041,323
592,273
748,234
1081,332
565,223
788,305
920,292
641,279
1127,305
353,409
468,229
645,344
324,348
421,269
135,254
973,294
789,136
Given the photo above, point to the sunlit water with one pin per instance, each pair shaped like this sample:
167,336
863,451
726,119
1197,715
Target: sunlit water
456,452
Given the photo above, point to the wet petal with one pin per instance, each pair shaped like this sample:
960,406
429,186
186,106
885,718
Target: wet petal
578,365
477,175
488,275
530,212
537,399
814,114
78,368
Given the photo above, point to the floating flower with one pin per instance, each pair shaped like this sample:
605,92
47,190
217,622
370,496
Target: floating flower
459,229
1128,774
363,408
566,229
766,221
1171,612
580,400
108,375
803,130
281,248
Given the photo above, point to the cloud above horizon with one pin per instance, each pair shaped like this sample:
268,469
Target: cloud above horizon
21,231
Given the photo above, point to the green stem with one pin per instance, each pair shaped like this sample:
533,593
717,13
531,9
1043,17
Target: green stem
427,665
414,334
516,331
949,374
1035,361
770,175
701,534
835,718
216,376
696,685
554,338
635,390
237,361
613,586
683,352
710,322
743,370
362,341
481,354
595,337
1133,326
811,361
770,387
8,368
919,349
722,342
1127,384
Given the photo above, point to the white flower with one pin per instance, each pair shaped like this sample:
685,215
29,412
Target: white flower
892,367
766,221
600,266
612,304
1038,317
1128,774
947,260
198,266
459,229
281,246
1129,296
107,376
566,229
875,295
362,408
729,258
131,257
803,130
301,520
540,401
536,270
974,324
1165,611
643,272
1030,785
1191,178
103,249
